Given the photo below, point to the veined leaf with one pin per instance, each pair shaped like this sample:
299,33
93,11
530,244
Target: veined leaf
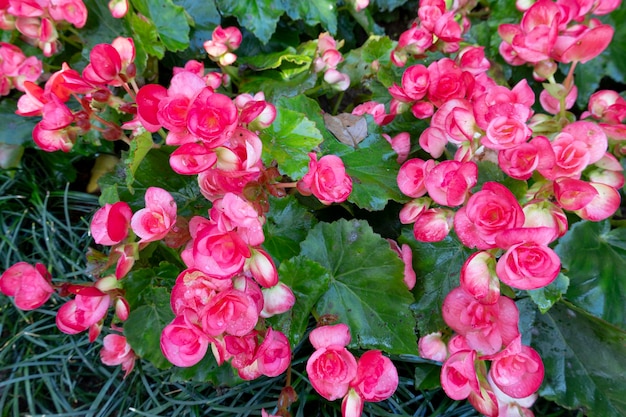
170,21
258,16
366,289
313,12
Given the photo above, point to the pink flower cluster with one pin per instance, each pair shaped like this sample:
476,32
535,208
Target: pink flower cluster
111,65
222,44
327,59
335,373
561,31
37,20
436,28
15,68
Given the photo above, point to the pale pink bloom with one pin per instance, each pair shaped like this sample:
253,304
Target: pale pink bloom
449,182
543,213
116,351
232,311
458,375
194,289
528,262
274,354
592,136
118,8
552,104
501,101
487,213
352,404
433,225
413,209
606,105
603,205
326,179
377,111
232,212
420,109
53,140
122,309
81,313
456,118
73,11
337,80
401,145
486,327
110,224
433,140
326,42
277,300
230,36
505,133
412,176
328,59
182,345
415,41
457,343
512,407
30,285
479,278
607,170
376,377
192,158
155,220
331,367
517,371
27,8
248,286
361,4
432,347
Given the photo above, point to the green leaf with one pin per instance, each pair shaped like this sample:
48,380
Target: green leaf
258,16
594,258
289,61
427,376
146,35
366,291
584,359
288,140
437,266
309,281
140,284
101,27
311,109
545,297
313,12
170,21
489,171
205,18
16,130
287,224
207,370
357,62
388,4
139,148
145,324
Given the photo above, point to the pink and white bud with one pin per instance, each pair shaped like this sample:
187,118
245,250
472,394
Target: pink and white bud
277,300
262,268
122,309
433,347
479,278
118,8
338,80
413,209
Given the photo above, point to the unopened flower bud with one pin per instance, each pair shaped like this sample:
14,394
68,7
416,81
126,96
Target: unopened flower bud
277,300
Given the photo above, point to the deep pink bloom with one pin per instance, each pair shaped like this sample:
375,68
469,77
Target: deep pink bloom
376,377
331,367
232,311
182,345
448,81
455,117
73,11
449,182
521,161
194,289
458,375
192,158
116,351
212,118
155,220
274,354
518,374
603,205
30,285
81,313
327,179
110,224
232,212
412,176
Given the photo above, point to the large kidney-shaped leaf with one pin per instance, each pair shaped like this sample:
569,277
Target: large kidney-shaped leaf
313,12
366,289
585,361
437,266
309,281
288,140
258,16
170,21
594,257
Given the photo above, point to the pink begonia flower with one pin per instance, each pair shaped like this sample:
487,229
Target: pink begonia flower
118,8
573,194
148,98
331,367
448,81
528,262
277,300
456,119
122,309
352,404
472,59
458,375
521,161
501,101
581,43
505,133
487,213
155,220
449,182
241,350
81,313
337,80
413,209
457,343
326,179
432,347
212,118
232,212
30,285
262,268
249,287
193,290
110,224
512,407
116,351
377,111
127,255
433,225
401,145
232,311
274,354
592,135
518,370
552,104
479,278
192,159
607,170
415,82
412,176
603,205
606,105
376,377
406,254
486,327
73,11
182,345
543,213
433,140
